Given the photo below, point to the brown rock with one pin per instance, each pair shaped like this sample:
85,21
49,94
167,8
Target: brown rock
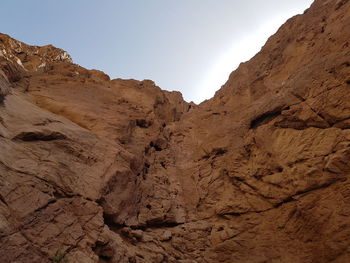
100,170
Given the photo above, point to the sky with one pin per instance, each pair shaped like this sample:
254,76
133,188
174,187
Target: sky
186,45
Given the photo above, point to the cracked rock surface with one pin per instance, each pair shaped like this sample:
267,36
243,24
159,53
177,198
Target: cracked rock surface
99,170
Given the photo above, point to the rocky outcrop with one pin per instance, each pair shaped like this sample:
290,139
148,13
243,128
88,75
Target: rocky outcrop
100,170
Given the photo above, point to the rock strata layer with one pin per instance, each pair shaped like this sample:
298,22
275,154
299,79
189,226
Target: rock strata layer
99,170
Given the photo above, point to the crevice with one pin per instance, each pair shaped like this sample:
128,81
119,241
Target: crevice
46,122
253,188
299,97
340,4
104,251
48,182
60,194
265,118
39,136
319,115
288,199
284,201
142,123
44,206
2,199
163,164
239,214
160,224
145,170
215,153
109,221
322,186
156,146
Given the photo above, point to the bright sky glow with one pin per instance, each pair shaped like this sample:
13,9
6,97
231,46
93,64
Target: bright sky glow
241,50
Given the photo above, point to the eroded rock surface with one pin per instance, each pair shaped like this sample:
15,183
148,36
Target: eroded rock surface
100,170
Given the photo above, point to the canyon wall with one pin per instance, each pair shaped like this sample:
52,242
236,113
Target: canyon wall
101,170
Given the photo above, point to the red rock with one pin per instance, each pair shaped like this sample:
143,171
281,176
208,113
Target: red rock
100,170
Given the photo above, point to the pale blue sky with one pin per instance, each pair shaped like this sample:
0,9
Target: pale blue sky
185,45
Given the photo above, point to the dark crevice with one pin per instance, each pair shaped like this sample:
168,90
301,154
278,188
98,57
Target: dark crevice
2,199
322,186
239,214
340,4
279,169
104,251
284,201
45,206
265,118
59,195
319,115
215,153
145,170
299,97
39,136
252,187
235,214
239,179
156,146
163,164
142,123
219,151
109,221
160,224
46,122
147,148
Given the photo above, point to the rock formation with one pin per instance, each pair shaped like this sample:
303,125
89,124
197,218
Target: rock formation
100,170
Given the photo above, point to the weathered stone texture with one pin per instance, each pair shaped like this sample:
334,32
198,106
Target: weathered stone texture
100,170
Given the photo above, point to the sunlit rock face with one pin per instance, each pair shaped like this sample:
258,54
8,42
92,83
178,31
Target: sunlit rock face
100,170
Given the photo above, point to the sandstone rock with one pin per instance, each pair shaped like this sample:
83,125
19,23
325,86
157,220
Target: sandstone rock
100,170
4,88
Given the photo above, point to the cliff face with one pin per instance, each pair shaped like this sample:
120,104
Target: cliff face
100,170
